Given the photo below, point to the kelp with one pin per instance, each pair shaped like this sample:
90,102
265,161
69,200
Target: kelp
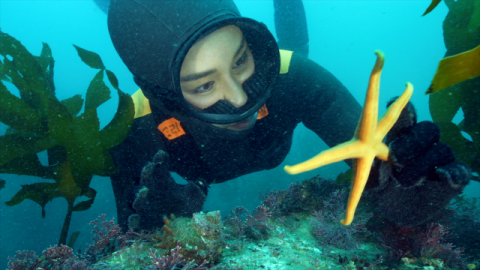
474,21
444,105
456,69
37,121
432,6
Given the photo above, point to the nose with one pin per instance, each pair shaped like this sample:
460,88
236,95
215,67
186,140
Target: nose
233,93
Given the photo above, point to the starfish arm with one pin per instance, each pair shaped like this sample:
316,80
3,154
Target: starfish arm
347,150
382,151
368,121
367,141
393,112
362,170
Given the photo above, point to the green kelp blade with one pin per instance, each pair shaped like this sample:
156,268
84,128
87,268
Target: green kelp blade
117,130
73,239
56,155
456,34
112,78
59,122
85,152
473,130
90,58
17,114
463,149
27,165
85,205
432,5
3,76
445,104
470,104
74,104
15,145
455,69
66,184
46,62
25,72
474,23
97,92
41,193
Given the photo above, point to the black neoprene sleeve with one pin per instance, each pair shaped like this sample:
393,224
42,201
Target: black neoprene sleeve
326,107
291,26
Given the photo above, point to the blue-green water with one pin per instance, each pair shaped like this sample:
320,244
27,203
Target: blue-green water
343,37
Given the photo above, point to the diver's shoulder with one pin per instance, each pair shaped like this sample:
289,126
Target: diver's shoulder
142,127
303,64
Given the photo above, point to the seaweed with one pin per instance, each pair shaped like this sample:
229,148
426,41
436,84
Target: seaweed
37,121
444,105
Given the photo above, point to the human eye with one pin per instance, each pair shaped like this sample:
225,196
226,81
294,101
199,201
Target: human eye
203,88
241,61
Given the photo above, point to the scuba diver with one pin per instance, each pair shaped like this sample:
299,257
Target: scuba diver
103,5
219,100
288,13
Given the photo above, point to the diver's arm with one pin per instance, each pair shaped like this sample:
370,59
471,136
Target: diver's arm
158,195
144,188
291,26
326,107
103,5
425,177
130,156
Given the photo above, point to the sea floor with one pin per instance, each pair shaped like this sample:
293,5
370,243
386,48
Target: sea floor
295,248
292,247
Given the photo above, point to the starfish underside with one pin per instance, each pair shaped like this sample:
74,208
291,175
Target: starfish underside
366,144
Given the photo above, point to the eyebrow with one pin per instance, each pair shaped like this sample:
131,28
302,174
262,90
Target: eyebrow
200,75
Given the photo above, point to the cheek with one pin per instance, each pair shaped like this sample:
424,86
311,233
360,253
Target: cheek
249,70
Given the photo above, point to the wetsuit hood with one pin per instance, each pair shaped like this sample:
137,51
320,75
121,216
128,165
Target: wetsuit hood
153,36
147,34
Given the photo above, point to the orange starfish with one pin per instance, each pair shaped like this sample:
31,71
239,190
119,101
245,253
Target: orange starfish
366,144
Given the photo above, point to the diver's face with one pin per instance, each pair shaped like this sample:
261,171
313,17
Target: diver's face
215,68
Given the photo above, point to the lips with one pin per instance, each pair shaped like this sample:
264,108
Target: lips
245,124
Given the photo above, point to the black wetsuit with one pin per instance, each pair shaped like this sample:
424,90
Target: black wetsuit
307,94
414,191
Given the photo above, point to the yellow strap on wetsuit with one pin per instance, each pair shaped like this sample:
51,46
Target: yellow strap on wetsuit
285,58
142,106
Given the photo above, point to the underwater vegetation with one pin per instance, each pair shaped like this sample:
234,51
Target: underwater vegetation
294,228
283,232
37,121
327,229
242,224
465,225
421,245
474,20
460,36
462,61
456,69
199,238
56,257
